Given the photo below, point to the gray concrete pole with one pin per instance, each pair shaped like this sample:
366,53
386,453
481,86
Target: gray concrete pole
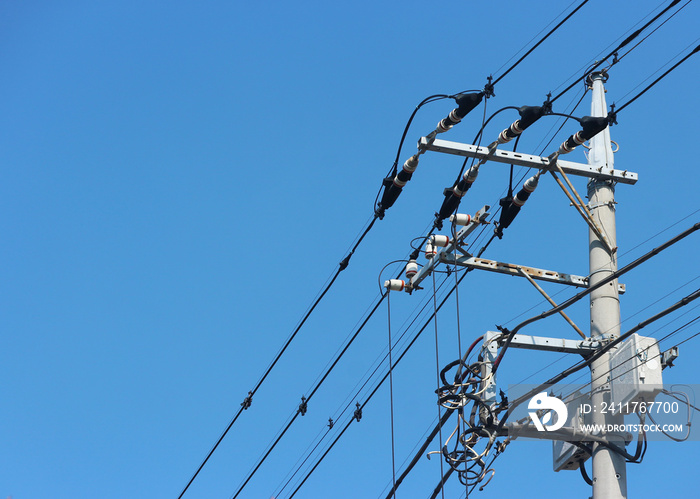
609,473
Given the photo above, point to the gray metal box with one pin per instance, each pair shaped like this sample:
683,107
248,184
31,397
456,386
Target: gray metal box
635,374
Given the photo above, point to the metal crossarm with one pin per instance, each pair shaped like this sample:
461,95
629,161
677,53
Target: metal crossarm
529,160
515,270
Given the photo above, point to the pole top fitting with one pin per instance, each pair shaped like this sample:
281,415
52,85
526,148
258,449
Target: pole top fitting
596,75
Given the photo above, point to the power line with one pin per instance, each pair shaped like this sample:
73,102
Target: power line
617,111
621,45
590,289
374,391
540,42
249,399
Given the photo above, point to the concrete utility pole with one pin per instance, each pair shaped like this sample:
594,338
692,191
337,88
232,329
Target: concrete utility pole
609,468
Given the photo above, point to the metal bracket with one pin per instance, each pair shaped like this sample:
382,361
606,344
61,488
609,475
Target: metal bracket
582,347
529,160
425,271
668,357
512,269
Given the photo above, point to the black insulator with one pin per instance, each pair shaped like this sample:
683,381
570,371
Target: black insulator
467,102
592,126
454,195
510,206
393,186
528,115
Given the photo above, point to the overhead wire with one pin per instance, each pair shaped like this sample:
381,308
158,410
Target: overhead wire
374,391
252,392
624,43
348,401
611,277
593,357
391,389
617,111
619,58
539,42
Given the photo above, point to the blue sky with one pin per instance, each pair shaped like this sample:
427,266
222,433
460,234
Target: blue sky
180,179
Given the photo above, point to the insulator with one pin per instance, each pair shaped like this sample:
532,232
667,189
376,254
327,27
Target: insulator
411,269
430,251
440,240
461,219
393,186
465,103
524,193
591,126
395,284
452,196
510,206
528,115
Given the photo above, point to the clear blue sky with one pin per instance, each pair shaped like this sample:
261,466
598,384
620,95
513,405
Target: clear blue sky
180,178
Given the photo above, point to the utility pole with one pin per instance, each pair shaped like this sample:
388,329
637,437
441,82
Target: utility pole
609,474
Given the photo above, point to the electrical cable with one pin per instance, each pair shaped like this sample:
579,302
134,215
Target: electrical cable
619,58
611,277
593,357
248,400
381,382
306,400
437,370
380,362
538,43
412,342
625,42
615,112
391,391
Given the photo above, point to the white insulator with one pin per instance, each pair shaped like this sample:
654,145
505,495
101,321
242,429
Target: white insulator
461,219
394,284
411,268
440,240
430,251
411,164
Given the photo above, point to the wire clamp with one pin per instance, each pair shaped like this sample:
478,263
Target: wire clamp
358,412
330,423
612,115
303,406
547,105
247,402
488,88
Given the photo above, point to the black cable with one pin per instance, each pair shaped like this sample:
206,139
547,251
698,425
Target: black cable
617,111
437,369
313,392
590,289
619,58
589,360
365,383
248,400
439,487
362,406
585,476
391,392
539,42
616,49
